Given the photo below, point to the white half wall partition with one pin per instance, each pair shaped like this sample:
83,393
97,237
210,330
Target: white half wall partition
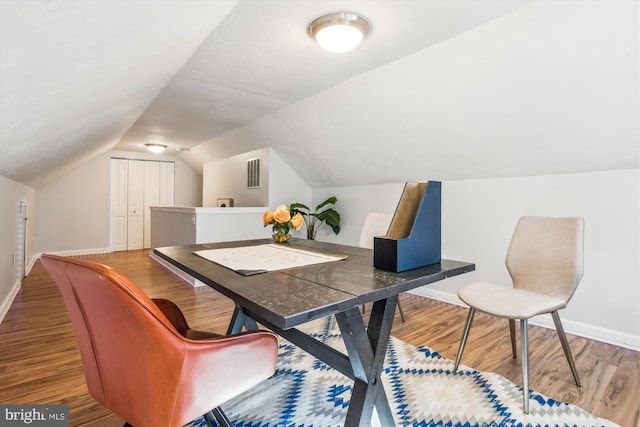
171,226
175,225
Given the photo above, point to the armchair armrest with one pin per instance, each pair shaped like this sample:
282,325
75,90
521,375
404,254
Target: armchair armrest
173,314
230,365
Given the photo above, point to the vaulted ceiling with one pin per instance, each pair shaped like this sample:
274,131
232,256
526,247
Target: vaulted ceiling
441,89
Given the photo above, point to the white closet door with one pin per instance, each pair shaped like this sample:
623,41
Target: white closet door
167,184
136,185
119,185
151,196
135,205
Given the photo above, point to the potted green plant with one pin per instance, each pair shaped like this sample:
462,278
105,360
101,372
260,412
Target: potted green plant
323,214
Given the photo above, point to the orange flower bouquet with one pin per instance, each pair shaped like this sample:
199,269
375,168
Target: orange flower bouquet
282,222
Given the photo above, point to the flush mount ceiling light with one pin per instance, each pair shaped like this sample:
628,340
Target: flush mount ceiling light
339,32
156,148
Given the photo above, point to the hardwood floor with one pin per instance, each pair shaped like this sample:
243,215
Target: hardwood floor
39,361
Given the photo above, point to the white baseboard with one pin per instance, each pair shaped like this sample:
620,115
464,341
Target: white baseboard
610,336
30,264
617,338
78,252
438,295
11,296
6,304
176,271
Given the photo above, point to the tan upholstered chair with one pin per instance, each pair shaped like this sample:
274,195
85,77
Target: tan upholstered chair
376,224
140,358
545,261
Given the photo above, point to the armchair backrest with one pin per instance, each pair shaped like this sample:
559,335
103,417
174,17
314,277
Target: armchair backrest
546,255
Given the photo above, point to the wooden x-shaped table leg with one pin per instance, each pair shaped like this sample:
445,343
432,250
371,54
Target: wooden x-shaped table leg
367,349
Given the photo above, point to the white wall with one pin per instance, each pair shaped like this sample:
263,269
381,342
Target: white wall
280,184
73,210
285,186
353,205
227,178
11,194
478,217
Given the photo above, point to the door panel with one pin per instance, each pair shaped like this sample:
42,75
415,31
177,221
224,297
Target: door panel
119,184
167,184
135,205
151,196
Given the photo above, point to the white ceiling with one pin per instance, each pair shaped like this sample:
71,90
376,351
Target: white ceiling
441,89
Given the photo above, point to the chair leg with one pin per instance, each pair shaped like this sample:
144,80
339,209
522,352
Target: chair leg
400,309
208,418
524,339
565,346
512,333
465,335
219,416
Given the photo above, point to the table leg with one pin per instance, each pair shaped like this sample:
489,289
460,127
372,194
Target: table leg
367,349
239,319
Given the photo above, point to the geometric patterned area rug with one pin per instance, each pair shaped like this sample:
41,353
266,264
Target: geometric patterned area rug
420,385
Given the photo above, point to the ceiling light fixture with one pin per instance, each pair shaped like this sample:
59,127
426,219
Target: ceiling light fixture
339,32
156,148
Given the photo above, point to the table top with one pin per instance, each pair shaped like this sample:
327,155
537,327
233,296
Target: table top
290,297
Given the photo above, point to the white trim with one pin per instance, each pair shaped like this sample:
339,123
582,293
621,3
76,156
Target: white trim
190,280
591,332
209,210
31,263
438,295
580,329
78,252
11,296
6,304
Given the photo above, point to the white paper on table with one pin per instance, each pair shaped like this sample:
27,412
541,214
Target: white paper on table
262,258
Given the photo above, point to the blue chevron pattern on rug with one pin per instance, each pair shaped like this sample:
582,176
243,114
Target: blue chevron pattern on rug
420,385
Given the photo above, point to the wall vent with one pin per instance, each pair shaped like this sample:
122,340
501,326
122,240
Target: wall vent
253,173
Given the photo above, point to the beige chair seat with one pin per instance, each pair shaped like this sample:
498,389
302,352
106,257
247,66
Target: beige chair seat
509,303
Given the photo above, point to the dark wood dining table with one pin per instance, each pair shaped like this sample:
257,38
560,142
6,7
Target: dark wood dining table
283,300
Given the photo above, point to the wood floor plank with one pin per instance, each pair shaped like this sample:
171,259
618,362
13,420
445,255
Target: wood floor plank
40,363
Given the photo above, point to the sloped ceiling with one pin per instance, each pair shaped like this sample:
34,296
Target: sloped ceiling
439,90
75,75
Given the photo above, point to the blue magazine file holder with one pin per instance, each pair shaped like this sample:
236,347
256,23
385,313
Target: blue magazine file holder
415,234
